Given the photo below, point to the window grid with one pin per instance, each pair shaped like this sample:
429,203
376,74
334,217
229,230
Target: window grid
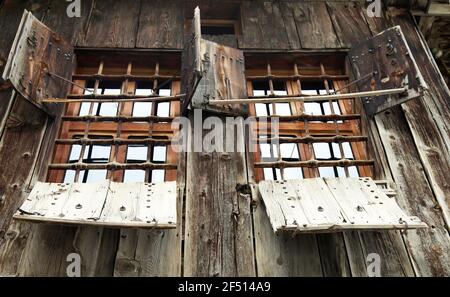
120,129
310,131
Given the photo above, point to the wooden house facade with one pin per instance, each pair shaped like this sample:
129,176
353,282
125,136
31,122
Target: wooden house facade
221,225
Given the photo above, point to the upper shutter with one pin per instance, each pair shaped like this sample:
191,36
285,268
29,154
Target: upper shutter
389,58
39,61
212,71
191,59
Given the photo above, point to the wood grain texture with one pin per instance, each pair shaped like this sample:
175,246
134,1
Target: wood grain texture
290,24
218,236
112,24
71,29
431,130
429,248
160,25
37,51
349,22
19,146
127,205
282,255
10,14
313,24
263,26
154,252
332,204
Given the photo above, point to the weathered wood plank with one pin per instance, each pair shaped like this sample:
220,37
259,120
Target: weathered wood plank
37,52
138,205
147,253
154,252
160,25
432,152
381,171
262,26
429,248
10,15
314,25
19,147
438,102
218,238
12,246
282,254
310,205
112,24
394,258
430,131
349,22
71,29
288,15
333,255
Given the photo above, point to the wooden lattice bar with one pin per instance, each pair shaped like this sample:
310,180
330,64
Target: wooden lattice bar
113,166
313,139
119,141
314,163
130,77
92,118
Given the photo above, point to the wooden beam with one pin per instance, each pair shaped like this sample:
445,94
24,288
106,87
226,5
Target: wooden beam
318,98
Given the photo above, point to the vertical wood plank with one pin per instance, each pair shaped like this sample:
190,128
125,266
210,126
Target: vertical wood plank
160,25
429,248
283,255
19,147
112,24
218,238
262,26
71,29
10,15
314,25
349,22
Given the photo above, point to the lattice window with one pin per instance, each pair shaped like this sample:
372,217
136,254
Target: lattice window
319,138
119,124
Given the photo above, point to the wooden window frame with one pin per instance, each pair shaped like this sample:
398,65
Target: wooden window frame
118,129
293,79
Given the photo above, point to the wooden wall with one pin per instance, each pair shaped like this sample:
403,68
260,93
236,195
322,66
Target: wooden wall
410,143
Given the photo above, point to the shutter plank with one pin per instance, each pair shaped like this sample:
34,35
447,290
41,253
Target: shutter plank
36,52
332,204
103,204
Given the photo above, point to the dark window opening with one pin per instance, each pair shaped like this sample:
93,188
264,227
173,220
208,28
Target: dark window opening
218,30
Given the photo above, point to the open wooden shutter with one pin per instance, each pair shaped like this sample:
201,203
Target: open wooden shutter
211,72
39,61
389,58
191,59
333,205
